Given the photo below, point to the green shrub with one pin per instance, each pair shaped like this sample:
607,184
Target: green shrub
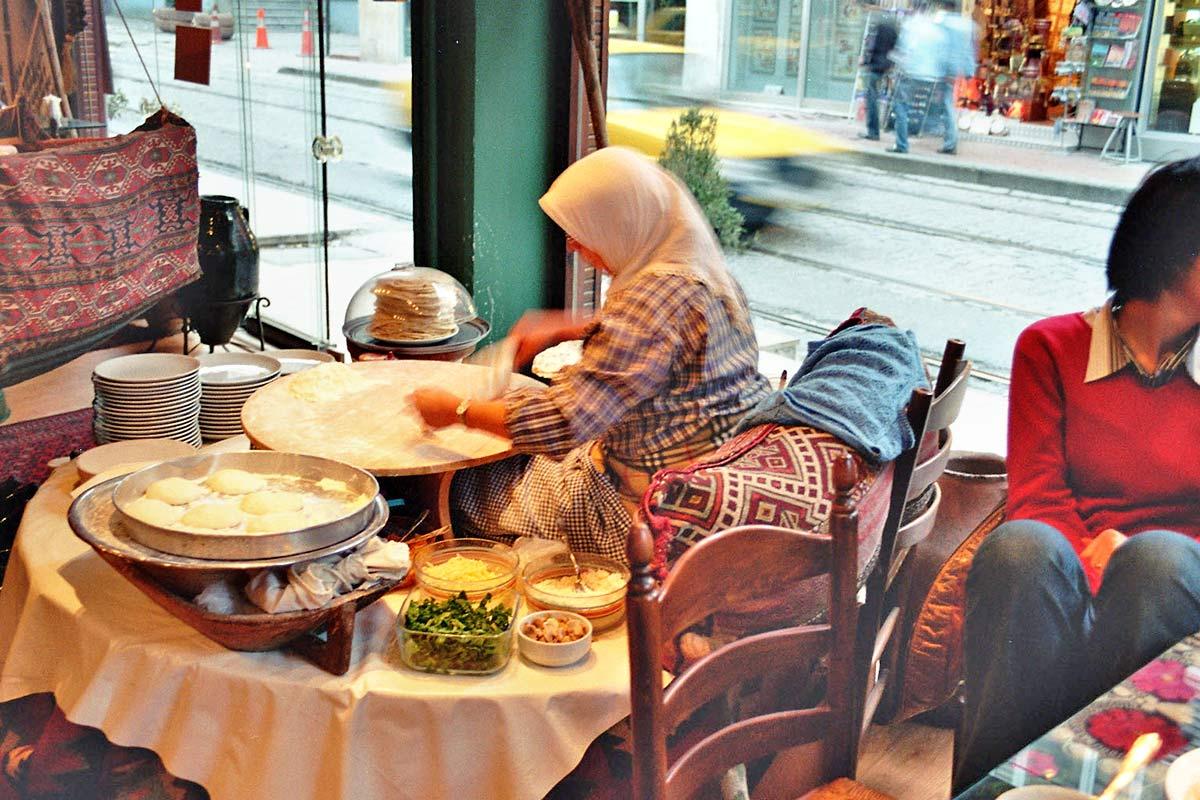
691,153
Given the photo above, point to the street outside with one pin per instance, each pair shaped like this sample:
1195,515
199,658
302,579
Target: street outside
946,259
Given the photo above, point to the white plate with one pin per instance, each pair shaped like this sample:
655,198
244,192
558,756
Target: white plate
147,395
145,367
92,462
297,359
1183,777
227,369
171,425
146,420
144,412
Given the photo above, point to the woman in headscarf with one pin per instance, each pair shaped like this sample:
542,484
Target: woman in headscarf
669,367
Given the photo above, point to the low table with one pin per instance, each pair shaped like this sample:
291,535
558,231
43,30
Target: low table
270,725
1085,751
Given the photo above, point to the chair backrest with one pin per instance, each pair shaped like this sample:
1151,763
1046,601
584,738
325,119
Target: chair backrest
928,412
726,569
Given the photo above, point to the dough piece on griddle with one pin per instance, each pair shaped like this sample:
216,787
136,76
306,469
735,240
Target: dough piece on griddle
212,516
235,481
175,491
154,512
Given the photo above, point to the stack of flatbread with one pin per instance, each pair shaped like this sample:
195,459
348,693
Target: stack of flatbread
408,308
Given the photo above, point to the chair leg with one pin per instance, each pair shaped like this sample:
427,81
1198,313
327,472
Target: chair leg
1109,142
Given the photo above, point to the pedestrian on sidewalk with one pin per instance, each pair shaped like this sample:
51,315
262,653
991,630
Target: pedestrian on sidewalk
877,62
936,47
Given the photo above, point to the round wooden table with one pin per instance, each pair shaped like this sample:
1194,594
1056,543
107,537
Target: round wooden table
376,428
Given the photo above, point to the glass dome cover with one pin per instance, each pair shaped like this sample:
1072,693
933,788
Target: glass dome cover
410,305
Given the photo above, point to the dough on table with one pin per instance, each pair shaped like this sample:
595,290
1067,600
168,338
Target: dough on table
278,522
234,481
175,491
214,516
272,502
154,512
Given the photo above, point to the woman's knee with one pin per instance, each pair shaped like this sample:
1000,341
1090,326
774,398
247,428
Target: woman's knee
1021,551
1154,558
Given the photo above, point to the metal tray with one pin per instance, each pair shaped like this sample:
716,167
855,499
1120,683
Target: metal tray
235,546
95,520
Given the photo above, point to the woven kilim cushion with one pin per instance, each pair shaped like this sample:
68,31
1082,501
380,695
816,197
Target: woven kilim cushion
92,234
769,475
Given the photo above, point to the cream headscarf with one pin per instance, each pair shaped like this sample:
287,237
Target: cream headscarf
637,216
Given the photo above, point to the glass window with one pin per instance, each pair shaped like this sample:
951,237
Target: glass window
765,55
1173,105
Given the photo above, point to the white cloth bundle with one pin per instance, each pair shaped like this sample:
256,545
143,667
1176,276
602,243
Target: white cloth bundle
312,584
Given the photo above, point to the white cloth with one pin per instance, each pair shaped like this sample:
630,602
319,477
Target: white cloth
313,584
637,216
271,725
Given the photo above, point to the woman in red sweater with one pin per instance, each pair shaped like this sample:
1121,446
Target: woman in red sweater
1097,569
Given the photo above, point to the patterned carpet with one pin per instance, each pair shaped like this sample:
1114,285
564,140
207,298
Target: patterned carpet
26,447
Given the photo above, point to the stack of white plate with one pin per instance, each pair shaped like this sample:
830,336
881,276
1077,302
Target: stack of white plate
147,396
226,382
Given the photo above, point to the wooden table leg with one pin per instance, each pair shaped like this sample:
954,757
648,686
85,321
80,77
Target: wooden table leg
433,492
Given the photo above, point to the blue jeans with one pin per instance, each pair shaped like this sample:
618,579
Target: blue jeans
1039,646
872,103
941,103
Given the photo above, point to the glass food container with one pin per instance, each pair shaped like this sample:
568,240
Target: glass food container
409,306
428,639
549,583
474,566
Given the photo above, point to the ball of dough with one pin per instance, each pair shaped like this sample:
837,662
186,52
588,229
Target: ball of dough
212,516
175,491
154,512
272,502
234,481
278,522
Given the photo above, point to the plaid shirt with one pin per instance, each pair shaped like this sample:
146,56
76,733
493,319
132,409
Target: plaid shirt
665,373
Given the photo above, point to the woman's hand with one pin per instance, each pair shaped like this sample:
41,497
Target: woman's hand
1100,550
540,330
437,407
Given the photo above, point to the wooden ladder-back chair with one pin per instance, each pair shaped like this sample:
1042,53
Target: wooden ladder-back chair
723,571
886,585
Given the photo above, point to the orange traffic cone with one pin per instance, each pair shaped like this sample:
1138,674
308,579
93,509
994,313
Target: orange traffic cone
260,35
306,42
215,26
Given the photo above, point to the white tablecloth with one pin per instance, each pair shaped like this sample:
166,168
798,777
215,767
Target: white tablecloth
270,725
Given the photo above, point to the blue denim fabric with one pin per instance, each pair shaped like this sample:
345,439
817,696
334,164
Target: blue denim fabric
1039,646
940,104
872,103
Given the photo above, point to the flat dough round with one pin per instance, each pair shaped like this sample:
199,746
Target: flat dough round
234,481
154,512
272,502
212,516
278,522
175,491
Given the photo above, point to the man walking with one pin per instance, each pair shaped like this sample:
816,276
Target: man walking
934,50
877,62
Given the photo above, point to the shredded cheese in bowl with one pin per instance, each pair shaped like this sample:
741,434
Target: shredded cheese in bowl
461,568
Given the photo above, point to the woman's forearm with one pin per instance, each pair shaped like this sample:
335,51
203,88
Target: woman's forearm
487,415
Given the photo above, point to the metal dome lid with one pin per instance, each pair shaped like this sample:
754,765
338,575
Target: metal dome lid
410,305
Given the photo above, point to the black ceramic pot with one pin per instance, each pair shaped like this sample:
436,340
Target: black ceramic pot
228,254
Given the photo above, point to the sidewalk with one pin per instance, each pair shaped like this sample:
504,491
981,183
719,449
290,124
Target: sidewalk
1069,174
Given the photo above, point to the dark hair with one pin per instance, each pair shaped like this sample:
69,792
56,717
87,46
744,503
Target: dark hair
1157,239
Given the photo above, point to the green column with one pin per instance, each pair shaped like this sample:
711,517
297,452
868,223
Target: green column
490,105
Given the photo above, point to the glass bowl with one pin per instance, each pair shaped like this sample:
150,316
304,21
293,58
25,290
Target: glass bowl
549,583
409,305
430,565
454,653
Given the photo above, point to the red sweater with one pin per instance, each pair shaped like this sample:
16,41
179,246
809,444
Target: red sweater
1112,453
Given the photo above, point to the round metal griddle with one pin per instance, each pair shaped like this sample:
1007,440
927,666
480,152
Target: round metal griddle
95,520
237,545
455,348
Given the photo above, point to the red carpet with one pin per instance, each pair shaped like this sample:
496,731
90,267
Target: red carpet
25,447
